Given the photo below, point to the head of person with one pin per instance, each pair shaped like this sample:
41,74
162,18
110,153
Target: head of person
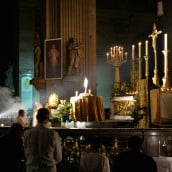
21,113
95,143
135,143
43,115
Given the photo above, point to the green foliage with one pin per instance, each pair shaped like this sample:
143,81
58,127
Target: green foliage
62,113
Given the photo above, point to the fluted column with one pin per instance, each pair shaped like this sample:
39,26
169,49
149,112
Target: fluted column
78,20
52,19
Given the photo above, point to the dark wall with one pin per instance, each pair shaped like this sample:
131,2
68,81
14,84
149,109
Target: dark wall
9,40
120,23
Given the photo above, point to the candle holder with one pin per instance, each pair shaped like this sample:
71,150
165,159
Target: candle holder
146,66
140,68
133,76
165,79
116,57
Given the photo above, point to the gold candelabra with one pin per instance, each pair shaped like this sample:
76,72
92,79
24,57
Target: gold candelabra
116,57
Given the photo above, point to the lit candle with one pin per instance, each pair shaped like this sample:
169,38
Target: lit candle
126,55
89,91
139,44
85,84
165,41
111,50
72,101
76,93
133,50
146,47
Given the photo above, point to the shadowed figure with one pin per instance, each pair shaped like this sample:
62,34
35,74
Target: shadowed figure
12,155
134,159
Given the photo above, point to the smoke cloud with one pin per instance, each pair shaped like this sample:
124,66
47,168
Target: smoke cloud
9,105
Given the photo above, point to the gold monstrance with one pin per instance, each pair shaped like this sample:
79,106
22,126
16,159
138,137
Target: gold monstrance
116,57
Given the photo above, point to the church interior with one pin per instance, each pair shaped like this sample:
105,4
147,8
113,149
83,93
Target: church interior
110,60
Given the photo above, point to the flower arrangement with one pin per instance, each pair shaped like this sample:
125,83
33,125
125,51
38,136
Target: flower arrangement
135,111
62,112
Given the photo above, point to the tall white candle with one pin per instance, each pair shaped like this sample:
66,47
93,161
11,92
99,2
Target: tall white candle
146,47
139,47
85,84
165,41
76,93
133,50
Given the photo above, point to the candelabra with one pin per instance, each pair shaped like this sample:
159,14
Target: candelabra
146,66
116,57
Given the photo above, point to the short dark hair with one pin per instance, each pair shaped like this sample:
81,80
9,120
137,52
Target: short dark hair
135,142
21,111
95,142
42,114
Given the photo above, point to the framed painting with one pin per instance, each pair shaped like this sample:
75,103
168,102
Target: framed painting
53,62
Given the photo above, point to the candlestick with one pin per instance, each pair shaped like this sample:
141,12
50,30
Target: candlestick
139,46
133,50
165,41
146,47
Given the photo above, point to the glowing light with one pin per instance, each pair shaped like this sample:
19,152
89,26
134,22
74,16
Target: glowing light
85,84
53,100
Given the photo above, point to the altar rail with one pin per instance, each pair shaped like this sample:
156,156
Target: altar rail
157,143
154,138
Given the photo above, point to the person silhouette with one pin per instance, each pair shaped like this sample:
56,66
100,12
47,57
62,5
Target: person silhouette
42,145
12,156
134,159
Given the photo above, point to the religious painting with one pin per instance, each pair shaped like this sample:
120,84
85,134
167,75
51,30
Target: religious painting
53,62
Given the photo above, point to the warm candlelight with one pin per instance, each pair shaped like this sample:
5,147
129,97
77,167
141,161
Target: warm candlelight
133,50
146,47
126,55
76,93
85,84
89,91
165,41
139,45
